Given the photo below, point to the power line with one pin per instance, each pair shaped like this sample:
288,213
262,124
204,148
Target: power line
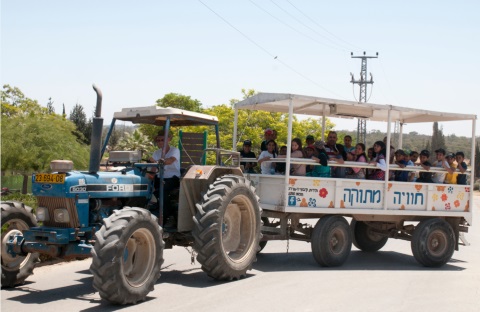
275,57
326,30
301,22
238,30
294,29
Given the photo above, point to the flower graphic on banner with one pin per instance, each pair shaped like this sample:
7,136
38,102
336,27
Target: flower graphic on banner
460,195
450,189
456,203
467,189
444,197
323,192
434,197
447,206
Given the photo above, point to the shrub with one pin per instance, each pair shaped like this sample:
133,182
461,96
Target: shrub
27,199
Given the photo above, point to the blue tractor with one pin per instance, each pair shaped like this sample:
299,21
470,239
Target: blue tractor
108,214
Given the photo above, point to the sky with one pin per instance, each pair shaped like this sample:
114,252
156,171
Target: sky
138,51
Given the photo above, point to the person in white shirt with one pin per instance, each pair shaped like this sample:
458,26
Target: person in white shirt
171,174
441,162
266,166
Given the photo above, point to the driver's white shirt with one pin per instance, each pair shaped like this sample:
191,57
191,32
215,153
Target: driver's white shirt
172,169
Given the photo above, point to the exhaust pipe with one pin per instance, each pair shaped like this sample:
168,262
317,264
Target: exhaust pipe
96,138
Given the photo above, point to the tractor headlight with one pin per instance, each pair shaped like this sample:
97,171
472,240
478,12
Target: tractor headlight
61,215
42,214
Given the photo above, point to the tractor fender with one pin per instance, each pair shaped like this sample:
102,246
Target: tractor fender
193,186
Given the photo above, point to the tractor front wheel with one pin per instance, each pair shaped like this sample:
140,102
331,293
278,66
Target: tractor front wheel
127,256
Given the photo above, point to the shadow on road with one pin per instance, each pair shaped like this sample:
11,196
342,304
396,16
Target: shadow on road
194,277
358,260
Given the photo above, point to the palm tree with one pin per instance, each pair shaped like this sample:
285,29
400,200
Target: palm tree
135,141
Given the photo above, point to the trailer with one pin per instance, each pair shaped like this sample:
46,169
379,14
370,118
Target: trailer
433,217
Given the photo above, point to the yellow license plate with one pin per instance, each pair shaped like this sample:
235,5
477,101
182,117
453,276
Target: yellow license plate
49,178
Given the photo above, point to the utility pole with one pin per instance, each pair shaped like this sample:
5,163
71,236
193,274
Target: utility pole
362,123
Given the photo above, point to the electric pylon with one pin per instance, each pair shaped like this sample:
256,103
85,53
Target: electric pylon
362,123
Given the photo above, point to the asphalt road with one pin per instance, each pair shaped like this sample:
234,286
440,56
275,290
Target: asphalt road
388,280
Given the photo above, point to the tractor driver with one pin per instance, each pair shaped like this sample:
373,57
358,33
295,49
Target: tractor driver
171,175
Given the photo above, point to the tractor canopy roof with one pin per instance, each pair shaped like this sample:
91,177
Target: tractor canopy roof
156,115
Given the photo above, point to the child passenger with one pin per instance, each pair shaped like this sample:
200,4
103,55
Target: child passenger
297,152
267,167
320,156
462,167
358,173
379,161
400,160
424,177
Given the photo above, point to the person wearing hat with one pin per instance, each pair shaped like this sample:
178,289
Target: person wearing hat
310,140
451,176
246,152
462,167
439,177
424,177
267,135
400,160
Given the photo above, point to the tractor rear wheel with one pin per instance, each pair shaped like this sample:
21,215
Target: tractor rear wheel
127,256
227,228
16,217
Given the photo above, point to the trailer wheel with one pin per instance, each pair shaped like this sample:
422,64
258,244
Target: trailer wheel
365,239
433,242
262,244
16,217
227,228
127,256
331,241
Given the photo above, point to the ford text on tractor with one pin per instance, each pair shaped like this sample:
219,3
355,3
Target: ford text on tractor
116,216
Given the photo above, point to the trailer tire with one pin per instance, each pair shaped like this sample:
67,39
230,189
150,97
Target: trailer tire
331,241
365,239
433,242
16,217
127,256
262,244
227,228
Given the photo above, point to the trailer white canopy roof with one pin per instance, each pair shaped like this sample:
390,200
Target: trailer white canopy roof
311,105
156,115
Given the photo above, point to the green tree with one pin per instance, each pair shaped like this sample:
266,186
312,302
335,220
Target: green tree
79,118
30,142
32,137
438,139
50,108
180,101
15,103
